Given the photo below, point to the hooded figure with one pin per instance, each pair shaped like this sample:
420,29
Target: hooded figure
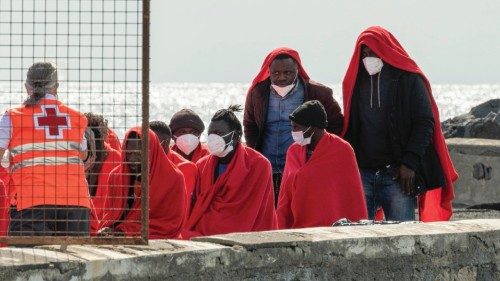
282,85
167,194
392,121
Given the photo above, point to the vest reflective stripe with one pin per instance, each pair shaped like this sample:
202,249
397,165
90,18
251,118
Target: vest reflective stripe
46,161
43,146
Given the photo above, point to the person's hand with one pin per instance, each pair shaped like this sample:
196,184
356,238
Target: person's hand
406,177
109,231
106,231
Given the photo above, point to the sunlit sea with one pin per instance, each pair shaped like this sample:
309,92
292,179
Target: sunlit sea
121,104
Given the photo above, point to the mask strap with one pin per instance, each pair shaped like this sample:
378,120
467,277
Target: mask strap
231,141
306,131
232,132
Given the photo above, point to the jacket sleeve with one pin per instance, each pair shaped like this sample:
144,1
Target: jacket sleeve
333,113
422,127
250,127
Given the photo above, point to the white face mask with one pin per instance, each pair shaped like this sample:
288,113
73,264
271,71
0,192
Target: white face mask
373,65
187,143
217,145
298,137
283,91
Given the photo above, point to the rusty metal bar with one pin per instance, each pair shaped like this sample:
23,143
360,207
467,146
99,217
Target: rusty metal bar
69,240
145,122
88,68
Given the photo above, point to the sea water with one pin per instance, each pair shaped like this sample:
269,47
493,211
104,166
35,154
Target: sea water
121,103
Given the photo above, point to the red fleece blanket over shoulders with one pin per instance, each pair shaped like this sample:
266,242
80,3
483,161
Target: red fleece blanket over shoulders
435,204
240,199
167,196
112,161
189,170
322,190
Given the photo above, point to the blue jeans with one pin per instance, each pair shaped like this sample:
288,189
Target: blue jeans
381,190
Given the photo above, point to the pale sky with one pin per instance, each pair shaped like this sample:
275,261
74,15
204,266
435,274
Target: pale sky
453,41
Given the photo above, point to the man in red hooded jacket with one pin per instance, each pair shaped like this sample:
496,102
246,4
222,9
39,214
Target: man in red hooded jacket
392,122
279,88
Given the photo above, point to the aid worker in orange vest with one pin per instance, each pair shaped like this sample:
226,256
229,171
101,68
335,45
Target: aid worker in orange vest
48,190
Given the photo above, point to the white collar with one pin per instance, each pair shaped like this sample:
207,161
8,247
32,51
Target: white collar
50,97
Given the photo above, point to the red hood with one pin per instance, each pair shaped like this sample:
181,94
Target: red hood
387,47
264,70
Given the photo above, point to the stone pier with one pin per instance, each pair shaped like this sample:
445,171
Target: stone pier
458,250
478,164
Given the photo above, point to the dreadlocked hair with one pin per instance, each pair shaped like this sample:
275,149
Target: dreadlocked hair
228,116
41,77
99,123
99,126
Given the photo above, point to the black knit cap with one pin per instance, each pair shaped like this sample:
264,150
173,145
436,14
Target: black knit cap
310,114
186,118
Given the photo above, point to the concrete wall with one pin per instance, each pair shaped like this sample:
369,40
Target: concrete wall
462,250
478,164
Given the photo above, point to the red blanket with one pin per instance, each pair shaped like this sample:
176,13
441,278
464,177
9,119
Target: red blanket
189,170
167,195
435,204
200,152
264,69
98,201
241,199
113,141
322,190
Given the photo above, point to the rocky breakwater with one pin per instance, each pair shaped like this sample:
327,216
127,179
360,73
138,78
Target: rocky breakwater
482,122
474,143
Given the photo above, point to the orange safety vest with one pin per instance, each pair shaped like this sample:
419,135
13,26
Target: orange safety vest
45,147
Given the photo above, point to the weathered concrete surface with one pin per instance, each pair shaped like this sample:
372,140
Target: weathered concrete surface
472,214
478,164
462,250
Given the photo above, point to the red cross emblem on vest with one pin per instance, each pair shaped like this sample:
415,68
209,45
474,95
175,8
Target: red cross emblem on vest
52,121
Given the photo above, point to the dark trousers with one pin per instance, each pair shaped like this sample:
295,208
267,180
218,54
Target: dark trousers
276,182
49,220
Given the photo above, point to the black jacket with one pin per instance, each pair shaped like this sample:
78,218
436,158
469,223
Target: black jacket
410,125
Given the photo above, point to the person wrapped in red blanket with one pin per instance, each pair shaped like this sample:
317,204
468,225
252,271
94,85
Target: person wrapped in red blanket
100,161
188,168
235,193
321,182
392,122
167,194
